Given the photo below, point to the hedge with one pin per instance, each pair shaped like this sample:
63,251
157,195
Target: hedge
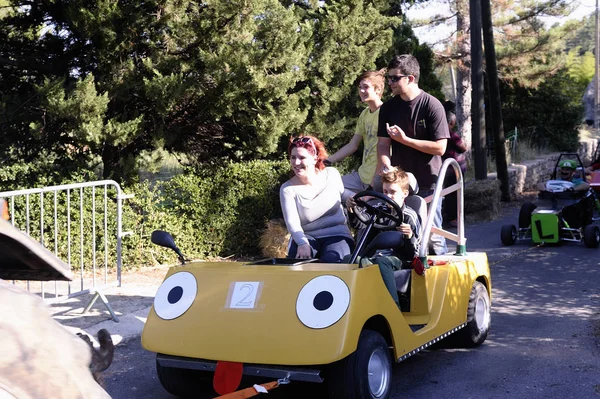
217,211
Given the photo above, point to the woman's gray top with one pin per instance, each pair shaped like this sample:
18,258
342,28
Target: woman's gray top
317,215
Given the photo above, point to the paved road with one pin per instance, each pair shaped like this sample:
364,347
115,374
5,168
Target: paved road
542,345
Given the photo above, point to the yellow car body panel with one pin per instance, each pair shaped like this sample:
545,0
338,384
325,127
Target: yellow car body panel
270,330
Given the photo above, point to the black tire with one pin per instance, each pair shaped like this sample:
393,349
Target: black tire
366,373
591,236
185,383
478,318
525,214
508,234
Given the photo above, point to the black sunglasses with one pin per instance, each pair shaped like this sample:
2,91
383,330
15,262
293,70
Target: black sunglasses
396,78
304,140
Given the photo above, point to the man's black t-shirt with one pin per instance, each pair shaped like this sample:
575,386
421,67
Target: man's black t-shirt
423,118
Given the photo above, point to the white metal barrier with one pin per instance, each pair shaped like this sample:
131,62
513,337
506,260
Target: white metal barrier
65,233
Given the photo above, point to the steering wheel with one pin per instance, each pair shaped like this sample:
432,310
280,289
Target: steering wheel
559,186
382,212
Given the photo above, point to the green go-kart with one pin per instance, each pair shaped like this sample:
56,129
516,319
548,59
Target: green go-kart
559,214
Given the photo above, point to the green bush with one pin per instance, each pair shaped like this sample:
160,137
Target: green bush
215,211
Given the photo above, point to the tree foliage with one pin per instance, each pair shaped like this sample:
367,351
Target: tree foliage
546,116
584,35
97,83
580,67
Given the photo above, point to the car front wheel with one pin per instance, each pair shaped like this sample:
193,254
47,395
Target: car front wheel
478,318
366,373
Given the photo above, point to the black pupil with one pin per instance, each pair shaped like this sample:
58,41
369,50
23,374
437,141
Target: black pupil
175,294
323,300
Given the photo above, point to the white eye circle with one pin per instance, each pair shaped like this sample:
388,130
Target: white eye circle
322,301
175,295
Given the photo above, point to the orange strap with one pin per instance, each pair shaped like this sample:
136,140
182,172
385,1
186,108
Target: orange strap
248,392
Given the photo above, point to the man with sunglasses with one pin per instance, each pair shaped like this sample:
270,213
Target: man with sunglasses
413,123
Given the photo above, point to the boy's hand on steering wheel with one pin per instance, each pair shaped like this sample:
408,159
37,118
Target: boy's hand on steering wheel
350,203
406,230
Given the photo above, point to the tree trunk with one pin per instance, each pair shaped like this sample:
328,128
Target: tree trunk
478,93
463,73
110,162
494,98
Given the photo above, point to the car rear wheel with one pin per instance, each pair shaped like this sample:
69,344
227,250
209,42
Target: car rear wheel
591,236
478,318
508,234
366,373
185,383
525,214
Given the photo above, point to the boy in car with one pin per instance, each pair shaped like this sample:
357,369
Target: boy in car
566,173
396,186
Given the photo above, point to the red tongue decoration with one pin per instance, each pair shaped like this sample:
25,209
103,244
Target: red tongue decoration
228,376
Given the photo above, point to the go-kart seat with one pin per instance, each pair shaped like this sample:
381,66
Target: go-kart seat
419,205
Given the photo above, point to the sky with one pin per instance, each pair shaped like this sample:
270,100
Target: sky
431,36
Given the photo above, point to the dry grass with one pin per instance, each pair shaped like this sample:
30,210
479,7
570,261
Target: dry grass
274,240
482,200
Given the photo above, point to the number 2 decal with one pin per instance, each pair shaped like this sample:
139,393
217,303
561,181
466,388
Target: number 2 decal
244,295
245,302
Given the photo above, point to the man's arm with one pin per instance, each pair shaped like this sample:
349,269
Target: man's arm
582,187
437,147
346,150
429,147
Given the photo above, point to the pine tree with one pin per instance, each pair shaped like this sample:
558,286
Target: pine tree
102,81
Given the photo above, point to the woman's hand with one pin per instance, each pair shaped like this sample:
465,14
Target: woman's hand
406,230
304,252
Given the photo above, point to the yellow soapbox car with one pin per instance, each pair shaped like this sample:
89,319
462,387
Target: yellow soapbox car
300,320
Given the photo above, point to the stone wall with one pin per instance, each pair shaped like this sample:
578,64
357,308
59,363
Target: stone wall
525,176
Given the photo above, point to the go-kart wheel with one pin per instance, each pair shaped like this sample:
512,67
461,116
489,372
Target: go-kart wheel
185,383
591,236
365,210
366,373
478,318
525,214
508,234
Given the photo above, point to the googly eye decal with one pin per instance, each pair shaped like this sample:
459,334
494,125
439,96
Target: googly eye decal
322,301
175,295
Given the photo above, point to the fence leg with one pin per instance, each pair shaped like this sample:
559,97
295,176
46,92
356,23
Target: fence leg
103,298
